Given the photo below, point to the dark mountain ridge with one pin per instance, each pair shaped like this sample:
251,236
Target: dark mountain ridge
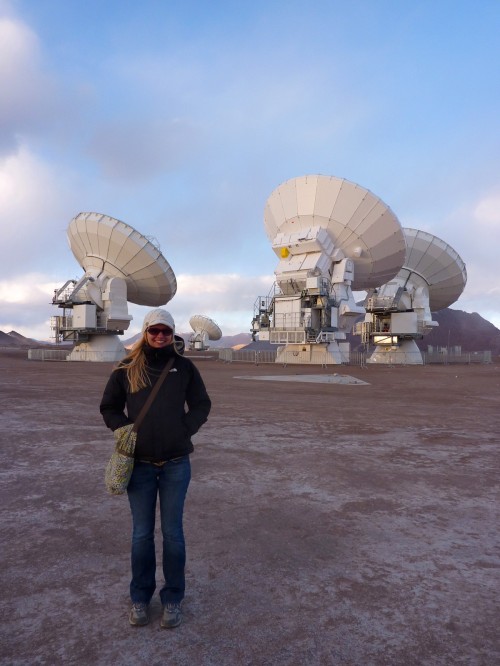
467,330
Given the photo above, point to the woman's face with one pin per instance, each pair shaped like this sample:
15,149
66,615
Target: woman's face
159,336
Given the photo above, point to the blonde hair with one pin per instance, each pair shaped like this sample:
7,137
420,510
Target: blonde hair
134,364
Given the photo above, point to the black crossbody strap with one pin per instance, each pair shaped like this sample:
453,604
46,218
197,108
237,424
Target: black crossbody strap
153,394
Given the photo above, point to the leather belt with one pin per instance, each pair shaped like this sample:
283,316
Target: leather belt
160,463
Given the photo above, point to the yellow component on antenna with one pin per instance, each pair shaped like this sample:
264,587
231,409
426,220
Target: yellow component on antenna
284,252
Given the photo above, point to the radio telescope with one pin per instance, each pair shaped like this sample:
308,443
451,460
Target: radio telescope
432,278
331,237
120,265
204,329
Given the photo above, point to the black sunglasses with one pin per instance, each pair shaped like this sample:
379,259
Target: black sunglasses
156,331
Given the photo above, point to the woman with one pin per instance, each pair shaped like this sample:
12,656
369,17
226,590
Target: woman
162,466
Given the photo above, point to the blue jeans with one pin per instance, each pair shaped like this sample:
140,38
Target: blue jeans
170,482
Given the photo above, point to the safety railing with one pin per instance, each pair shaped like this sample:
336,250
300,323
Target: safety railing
228,355
285,358
465,357
355,358
64,355
48,354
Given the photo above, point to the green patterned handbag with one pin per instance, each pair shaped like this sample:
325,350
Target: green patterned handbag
121,464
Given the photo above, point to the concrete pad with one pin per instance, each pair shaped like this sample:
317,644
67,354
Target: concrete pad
357,529
316,379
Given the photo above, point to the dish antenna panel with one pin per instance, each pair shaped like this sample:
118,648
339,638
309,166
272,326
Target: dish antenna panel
331,237
120,265
432,278
204,329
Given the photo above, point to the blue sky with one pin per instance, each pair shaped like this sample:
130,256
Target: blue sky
181,119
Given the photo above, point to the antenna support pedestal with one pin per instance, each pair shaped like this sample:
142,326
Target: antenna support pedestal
103,348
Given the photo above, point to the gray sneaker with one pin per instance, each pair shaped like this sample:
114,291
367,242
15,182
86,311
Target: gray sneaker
139,614
171,617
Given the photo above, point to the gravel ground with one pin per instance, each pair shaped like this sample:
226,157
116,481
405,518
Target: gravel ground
329,523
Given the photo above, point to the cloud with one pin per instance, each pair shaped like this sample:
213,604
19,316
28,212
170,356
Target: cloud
254,107
26,302
26,186
25,305
32,205
228,299
28,289
487,212
27,102
134,150
477,227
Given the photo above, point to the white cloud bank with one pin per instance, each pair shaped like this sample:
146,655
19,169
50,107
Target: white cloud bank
227,299
27,102
487,212
33,201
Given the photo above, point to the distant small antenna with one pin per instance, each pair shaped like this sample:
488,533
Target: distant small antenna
204,329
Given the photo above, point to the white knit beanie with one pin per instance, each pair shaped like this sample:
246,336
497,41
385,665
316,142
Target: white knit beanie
158,316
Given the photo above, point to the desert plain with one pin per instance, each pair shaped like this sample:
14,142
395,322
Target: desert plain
332,523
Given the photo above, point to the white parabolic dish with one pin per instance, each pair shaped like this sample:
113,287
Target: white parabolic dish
362,226
202,324
104,246
438,264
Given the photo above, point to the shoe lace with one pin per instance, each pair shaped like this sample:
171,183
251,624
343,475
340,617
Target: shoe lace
173,607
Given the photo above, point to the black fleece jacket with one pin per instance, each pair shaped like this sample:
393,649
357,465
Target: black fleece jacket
178,411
